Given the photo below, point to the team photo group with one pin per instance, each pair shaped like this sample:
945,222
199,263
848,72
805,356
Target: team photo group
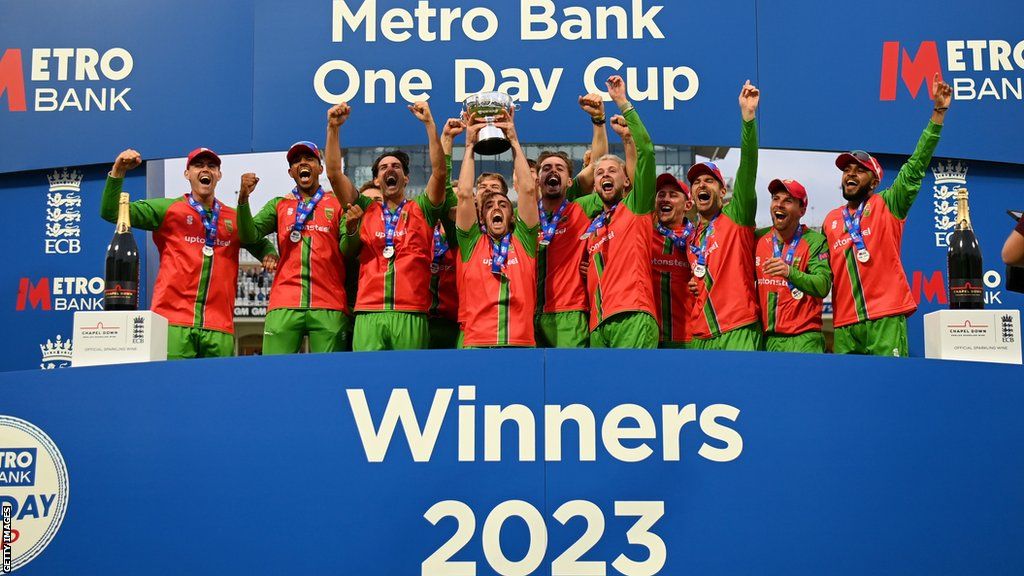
605,255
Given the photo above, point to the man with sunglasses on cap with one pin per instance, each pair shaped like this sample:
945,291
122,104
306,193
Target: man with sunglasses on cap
670,265
871,298
793,274
308,296
198,241
395,245
724,315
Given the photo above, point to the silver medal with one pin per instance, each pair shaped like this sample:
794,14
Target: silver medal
389,252
295,236
544,242
863,255
207,250
699,270
434,268
797,293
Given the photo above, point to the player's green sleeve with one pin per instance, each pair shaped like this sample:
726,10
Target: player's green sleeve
431,212
901,195
817,280
743,207
144,214
574,191
252,228
528,236
467,240
260,249
350,244
591,204
641,199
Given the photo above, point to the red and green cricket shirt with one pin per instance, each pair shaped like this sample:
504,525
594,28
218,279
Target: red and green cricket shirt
311,272
497,309
619,253
191,290
560,286
878,288
670,278
781,313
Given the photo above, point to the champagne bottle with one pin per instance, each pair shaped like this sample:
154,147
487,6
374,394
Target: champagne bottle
966,290
122,274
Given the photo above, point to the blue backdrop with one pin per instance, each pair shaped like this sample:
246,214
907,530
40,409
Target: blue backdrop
257,75
913,470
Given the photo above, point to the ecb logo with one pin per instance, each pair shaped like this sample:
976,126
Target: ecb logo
34,492
63,213
949,178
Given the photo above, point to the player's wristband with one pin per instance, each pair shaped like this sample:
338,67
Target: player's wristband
942,109
1020,226
629,106
598,121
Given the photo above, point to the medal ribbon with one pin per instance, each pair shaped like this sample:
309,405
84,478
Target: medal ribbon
548,227
209,222
391,223
702,252
853,225
777,249
599,222
499,252
440,244
678,239
305,208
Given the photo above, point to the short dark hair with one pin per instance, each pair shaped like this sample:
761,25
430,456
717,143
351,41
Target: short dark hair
550,153
402,157
493,176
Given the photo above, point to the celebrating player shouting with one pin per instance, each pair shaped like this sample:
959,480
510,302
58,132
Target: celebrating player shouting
497,267
198,241
561,292
308,294
793,274
870,296
724,315
395,243
670,266
618,241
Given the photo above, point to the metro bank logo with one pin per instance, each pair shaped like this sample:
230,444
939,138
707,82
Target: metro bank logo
62,79
991,69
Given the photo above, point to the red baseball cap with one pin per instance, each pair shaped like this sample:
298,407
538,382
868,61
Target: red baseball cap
791,187
304,146
705,168
860,157
667,179
200,152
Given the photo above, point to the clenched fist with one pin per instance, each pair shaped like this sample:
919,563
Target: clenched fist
338,113
249,182
127,160
421,110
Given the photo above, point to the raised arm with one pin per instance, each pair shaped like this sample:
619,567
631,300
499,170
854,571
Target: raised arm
527,184
593,105
340,183
438,171
622,129
144,214
743,208
465,212
901,195
452,128
641,199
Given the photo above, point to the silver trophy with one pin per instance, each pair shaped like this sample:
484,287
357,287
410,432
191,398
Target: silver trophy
488,107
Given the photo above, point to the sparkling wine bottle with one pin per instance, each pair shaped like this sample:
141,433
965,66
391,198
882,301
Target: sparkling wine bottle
966,290
122,274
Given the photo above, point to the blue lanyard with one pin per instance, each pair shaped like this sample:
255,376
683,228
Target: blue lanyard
548,227
777,249
599,222
680,239
305,208
702,252
853,225
440,244
209,222
391,222
499,252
